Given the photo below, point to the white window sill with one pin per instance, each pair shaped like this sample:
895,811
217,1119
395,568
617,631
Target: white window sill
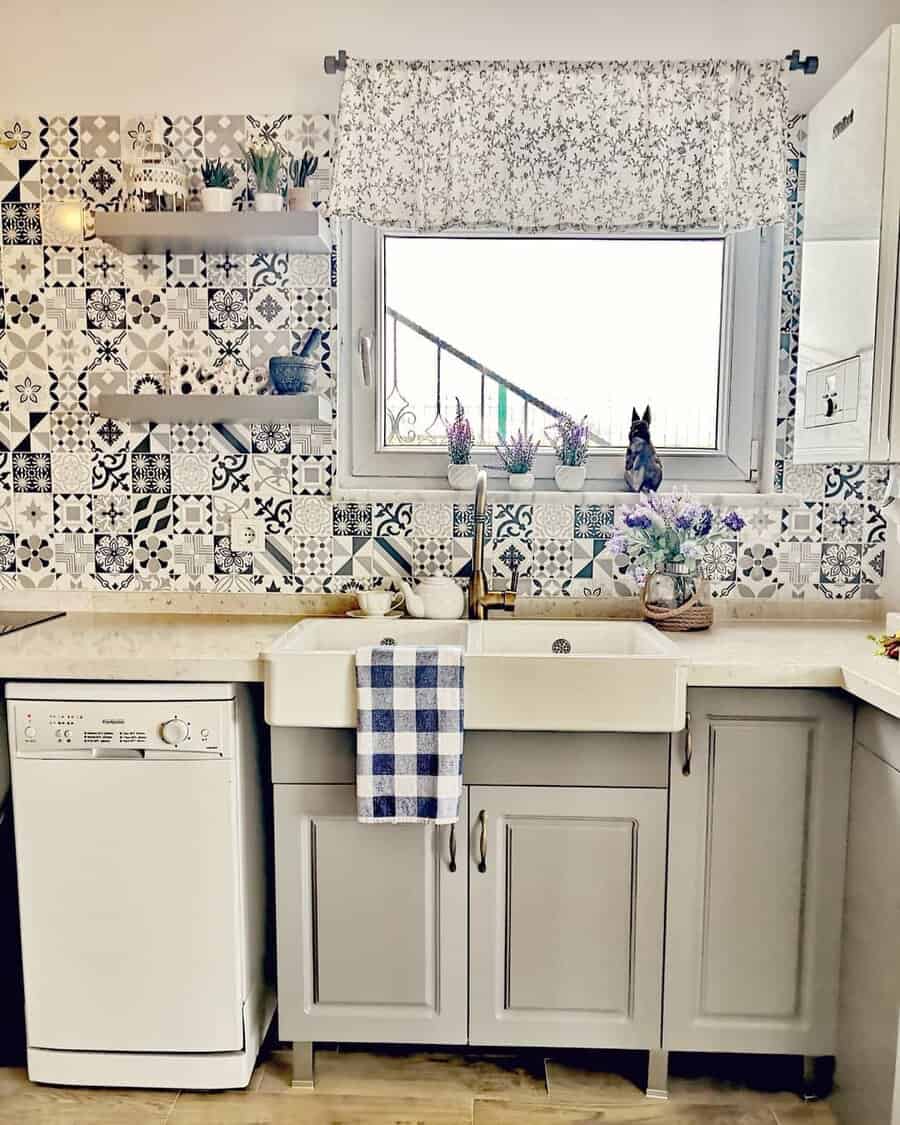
554,496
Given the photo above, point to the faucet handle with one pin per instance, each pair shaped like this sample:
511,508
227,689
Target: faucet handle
514,578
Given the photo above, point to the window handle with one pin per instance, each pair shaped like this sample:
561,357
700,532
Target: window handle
365,358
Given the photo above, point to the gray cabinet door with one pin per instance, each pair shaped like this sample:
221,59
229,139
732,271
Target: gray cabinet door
757,840
566,920
371,923
870,964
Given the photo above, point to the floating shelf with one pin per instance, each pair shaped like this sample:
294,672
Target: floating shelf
206,232
215,408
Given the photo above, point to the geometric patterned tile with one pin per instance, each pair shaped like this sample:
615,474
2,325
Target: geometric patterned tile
799,562
841,563
802,522
79,315
58,137
101,136
74,553
101,181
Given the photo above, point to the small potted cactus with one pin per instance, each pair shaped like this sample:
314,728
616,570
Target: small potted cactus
570,443
461,472
299,192
264,161
517,456
218,181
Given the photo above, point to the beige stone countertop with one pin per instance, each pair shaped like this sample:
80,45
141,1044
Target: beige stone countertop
223,647
142,646
794,654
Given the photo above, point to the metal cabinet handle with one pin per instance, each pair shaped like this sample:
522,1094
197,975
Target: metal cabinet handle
365,358
452,847
688,746
482,863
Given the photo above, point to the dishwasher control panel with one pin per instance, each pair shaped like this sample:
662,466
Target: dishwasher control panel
116,729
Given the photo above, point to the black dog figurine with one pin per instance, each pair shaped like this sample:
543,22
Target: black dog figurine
643,468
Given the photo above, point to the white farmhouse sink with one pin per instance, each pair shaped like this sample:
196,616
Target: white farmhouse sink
580,638
520,675
310,679
573,675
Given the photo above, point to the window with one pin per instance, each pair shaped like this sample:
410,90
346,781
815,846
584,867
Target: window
522,328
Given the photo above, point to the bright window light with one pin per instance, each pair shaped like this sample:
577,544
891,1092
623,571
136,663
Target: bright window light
520,328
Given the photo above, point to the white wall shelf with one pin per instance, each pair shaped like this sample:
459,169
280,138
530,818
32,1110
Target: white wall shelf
215,408
202,232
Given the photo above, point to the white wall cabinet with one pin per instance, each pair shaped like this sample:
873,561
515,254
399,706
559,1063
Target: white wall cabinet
757,838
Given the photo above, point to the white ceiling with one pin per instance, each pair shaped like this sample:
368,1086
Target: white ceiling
227,55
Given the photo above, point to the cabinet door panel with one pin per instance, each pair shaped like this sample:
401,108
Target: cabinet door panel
756,860
566,922
371,923
870,967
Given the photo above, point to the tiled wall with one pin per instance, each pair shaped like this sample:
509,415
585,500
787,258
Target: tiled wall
88,503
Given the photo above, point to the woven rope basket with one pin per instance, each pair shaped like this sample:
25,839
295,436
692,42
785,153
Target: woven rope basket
686,618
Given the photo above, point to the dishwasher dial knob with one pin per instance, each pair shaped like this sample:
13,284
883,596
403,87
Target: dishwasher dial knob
30,732
174,731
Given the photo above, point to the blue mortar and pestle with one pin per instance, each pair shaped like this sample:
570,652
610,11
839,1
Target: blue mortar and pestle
295,374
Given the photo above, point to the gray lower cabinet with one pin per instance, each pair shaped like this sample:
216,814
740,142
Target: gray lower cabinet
757,839
371,923
566,894
867,1070
589,871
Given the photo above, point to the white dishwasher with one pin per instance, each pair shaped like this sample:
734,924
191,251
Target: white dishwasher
141,854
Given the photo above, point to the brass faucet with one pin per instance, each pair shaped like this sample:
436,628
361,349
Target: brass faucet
481,597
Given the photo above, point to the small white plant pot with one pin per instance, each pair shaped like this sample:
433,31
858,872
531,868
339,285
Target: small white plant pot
268,201
570,478
462,477
521,482
300,199
216,198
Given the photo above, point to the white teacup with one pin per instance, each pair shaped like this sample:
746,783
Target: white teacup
378,603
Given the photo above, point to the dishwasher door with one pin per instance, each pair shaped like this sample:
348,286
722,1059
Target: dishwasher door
128,887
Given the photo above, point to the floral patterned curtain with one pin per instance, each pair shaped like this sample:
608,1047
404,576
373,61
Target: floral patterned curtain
541,146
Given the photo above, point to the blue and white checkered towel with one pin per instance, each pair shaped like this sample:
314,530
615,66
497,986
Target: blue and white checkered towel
409,734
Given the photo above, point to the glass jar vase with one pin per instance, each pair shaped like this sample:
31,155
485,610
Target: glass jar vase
677,597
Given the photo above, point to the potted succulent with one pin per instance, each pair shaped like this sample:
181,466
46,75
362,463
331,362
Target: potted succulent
517,456
461,472
218,180
264,162
299,192
570,443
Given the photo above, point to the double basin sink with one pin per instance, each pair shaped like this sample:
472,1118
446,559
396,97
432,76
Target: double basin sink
520,675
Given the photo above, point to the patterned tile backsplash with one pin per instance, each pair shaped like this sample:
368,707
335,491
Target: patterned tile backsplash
88,503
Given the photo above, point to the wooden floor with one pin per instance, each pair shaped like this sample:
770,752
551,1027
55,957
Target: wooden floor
357,1086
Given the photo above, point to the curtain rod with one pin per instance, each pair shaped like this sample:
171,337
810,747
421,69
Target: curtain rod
809,65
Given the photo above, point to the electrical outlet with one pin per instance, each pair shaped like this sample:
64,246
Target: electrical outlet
248,534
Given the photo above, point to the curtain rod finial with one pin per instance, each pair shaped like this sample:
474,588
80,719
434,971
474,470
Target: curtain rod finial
809,65
334,63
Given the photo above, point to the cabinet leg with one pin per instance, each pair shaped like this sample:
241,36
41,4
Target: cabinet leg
303,1075
818,1077
658,1074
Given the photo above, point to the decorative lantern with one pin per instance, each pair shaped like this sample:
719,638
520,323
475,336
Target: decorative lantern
156,178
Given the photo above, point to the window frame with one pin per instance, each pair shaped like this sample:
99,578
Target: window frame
747,370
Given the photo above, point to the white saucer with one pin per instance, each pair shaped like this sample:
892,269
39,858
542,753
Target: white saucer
375,616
